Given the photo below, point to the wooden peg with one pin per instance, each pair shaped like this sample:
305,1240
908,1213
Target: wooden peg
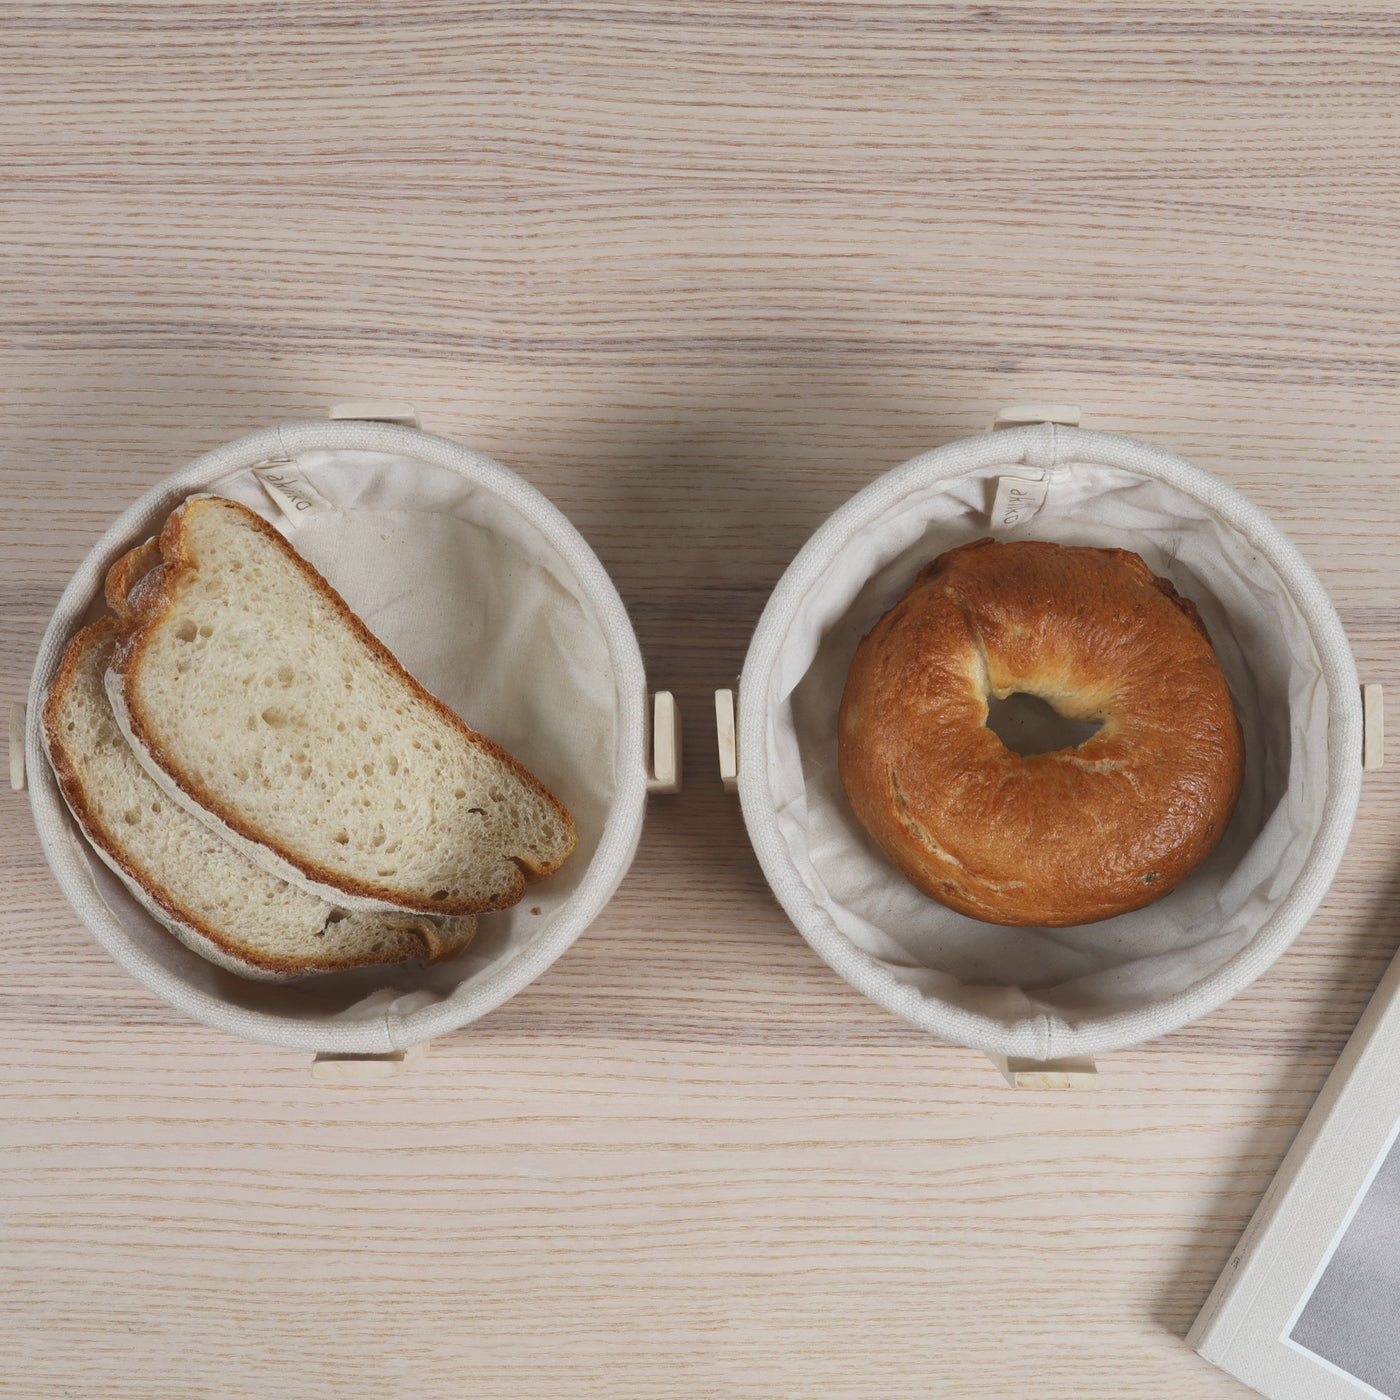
377,411
728,737
664,772
1022,414
1071,1072
17,717
1373,726
366,1069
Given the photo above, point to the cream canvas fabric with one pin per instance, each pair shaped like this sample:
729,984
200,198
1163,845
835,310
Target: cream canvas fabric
496,604
1043,992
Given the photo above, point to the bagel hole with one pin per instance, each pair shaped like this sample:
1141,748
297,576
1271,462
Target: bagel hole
1028,725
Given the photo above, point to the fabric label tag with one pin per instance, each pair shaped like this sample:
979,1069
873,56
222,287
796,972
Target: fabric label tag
1017,500
293,494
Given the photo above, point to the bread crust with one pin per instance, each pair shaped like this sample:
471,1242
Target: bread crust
1054,839
153,597
127,572
419,939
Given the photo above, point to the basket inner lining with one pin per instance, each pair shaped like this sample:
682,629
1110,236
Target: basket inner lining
477,603
1092,971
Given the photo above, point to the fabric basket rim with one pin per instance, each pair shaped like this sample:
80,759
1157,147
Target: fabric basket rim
392,1029
1045,1036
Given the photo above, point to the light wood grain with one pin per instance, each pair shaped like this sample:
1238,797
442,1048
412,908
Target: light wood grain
698,272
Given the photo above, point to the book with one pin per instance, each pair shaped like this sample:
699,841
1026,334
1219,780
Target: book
1308,1307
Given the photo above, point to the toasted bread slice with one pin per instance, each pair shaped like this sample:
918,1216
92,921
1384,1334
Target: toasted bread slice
212,898
262,704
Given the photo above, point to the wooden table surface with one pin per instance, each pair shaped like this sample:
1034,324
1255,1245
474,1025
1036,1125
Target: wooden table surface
698,272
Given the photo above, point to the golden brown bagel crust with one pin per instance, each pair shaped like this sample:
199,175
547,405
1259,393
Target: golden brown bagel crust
1068,837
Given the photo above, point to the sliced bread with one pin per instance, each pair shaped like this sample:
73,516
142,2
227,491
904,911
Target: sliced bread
257,700
212,898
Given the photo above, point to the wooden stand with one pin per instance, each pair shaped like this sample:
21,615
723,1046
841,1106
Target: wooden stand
17,718
1072,1072
1026,414
1373,721
728,737
376,411
367,1069
664,744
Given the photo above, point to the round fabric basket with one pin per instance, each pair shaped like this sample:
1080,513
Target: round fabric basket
490,598
1046,993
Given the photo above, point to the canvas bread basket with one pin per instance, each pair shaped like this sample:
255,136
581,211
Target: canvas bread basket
491,599
1042,994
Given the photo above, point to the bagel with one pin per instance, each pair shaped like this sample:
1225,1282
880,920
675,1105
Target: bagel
1067,837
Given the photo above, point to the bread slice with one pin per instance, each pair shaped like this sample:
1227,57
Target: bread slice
262,704
213,899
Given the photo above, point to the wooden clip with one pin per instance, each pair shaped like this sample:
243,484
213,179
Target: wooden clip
1023,414
728,736
366,1069
377,411
1373,726
1071,1072
664,767
17,717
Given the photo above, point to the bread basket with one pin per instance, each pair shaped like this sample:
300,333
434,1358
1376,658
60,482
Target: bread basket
494,601
1035,996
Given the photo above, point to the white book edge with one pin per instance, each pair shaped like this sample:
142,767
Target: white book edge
1241,1326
